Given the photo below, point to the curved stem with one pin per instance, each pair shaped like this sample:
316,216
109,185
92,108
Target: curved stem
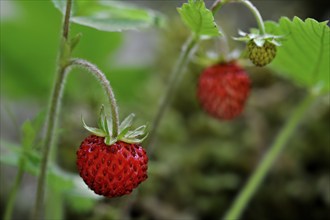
256,14
52,119
107,87
176,75
268,160
217,5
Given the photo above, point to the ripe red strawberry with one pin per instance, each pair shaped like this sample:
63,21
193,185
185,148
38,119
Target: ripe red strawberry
113,165
223,89
113,170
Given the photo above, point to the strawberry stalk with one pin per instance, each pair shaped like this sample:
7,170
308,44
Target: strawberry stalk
187,51
219,3
107,87
269,159
52,114
256,14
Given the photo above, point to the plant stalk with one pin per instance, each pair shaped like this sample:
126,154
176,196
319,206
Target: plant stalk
268,160
49,139
217,5
256,14
187,51
13,191
52,119
107,87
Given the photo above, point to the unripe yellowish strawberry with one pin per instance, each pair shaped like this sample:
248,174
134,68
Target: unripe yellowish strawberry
261,56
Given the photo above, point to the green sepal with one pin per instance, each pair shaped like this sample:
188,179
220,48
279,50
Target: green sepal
127,123
96,131
124,134
106,126
134,140
137,132
109,141
100,121
259,39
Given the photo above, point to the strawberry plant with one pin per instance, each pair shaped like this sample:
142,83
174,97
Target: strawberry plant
211,121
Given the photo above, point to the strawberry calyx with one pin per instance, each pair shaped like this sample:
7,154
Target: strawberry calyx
125,131
259,39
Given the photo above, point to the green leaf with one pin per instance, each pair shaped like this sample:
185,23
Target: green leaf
111,15
28,135
199,19
305,51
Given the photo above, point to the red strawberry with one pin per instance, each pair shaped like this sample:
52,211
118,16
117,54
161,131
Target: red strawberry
113,165
113,170
223,90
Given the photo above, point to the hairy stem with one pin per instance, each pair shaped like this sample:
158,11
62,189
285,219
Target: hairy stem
107,87
49,139
66,23
268,160
256,14
217,5
52,119
176,75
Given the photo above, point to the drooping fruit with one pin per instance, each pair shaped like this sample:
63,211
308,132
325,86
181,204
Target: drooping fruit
223,90
113,165
113,170
261,55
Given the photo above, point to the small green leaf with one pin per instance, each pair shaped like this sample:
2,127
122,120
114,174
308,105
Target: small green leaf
75,40
304,54
12,154
199,19
28,135
111,15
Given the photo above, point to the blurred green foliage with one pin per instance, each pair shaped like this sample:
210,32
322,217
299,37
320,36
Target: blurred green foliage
199,163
